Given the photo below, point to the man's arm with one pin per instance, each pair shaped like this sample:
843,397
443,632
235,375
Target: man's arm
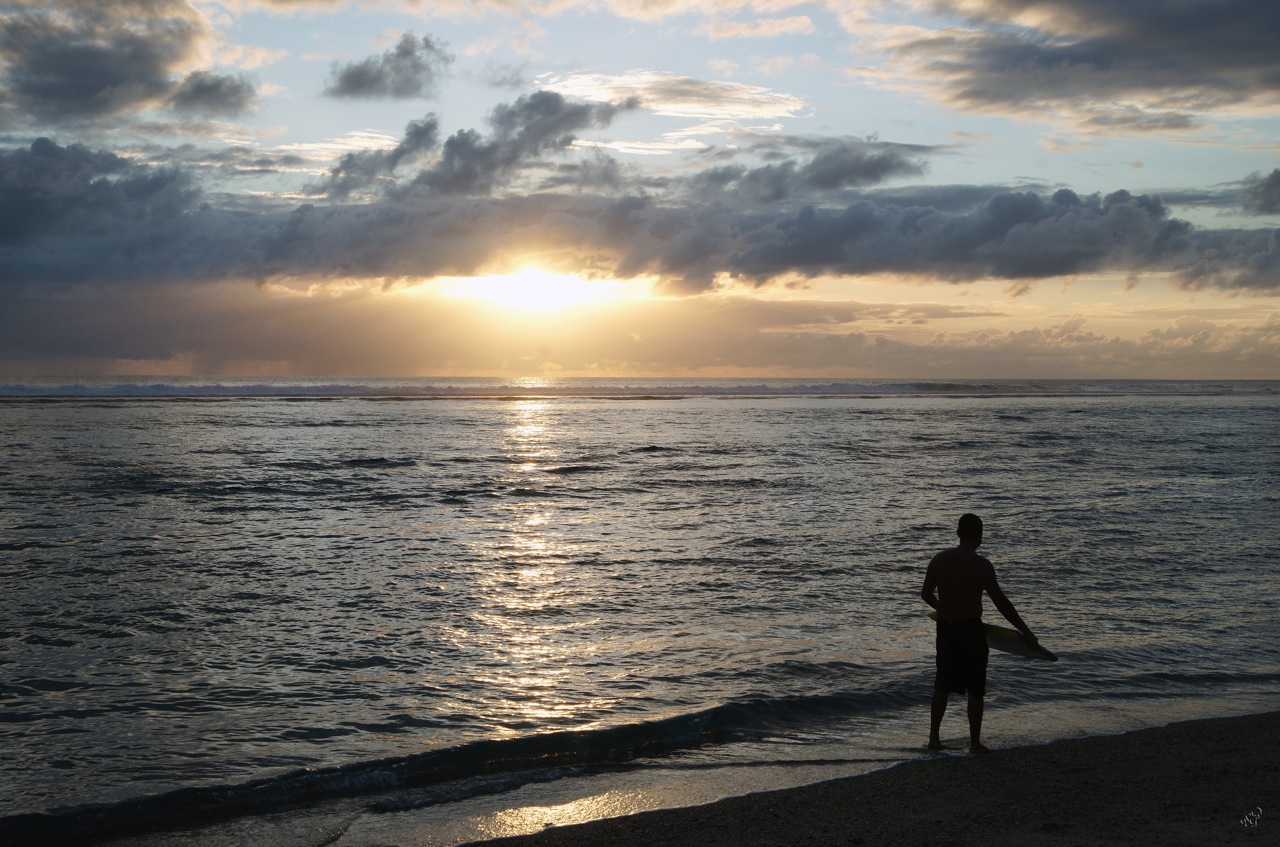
1006,607
927,591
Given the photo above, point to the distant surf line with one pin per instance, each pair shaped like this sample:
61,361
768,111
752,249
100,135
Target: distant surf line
617,388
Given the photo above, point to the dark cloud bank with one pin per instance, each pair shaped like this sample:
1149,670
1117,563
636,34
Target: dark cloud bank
69,214
66,62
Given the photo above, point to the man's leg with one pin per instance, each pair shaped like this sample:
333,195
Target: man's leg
937,708
975,724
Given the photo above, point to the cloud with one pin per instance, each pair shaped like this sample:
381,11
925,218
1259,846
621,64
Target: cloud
511,77
236,161
206,93
248,56
535,124
413,68
1256,194
66,61
358,169
1010,235
643,10
945,198
48,193
68,214
597,172
1139,67
1233,259
723,67
835,164
716,30
678,96
1261,195
352,141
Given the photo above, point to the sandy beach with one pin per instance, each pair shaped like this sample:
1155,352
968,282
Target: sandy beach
1199,783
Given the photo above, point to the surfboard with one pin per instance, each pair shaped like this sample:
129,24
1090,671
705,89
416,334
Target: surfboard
1008,640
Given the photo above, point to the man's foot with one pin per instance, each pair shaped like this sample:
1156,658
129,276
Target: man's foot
978,749
935,744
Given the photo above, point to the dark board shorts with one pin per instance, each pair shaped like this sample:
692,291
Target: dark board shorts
962,657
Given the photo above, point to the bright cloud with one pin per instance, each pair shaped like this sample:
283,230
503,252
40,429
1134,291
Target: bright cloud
677,96
767,28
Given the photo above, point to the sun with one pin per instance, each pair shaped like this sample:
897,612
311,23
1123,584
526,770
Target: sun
535,290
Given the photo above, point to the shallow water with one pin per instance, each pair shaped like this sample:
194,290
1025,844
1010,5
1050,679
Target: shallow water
206,591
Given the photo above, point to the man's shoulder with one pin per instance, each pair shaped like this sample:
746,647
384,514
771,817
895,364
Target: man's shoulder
959,554
946,555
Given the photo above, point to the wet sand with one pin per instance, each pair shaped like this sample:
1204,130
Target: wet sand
1208,782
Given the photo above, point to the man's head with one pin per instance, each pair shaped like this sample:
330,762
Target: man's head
970,529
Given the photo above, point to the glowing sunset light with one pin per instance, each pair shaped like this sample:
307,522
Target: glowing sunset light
536,290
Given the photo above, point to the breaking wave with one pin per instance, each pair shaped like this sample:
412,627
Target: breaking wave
476,767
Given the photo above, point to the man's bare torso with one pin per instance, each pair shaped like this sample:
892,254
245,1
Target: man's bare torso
960,576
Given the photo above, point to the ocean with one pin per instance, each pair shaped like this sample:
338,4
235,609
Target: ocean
475,607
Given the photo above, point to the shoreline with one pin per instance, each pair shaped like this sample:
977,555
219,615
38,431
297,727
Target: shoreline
1186,784
1209,781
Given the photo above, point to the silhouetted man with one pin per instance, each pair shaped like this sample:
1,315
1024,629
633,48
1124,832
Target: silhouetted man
959,576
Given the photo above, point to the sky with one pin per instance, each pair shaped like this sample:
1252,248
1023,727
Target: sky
718,188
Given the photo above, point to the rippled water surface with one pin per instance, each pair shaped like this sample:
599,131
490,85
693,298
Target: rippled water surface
213,590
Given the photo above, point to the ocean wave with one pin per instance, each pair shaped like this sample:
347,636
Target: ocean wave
458,771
